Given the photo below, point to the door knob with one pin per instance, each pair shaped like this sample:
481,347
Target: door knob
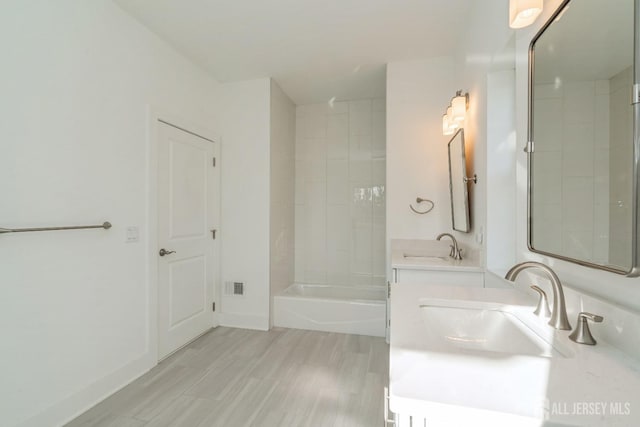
164,252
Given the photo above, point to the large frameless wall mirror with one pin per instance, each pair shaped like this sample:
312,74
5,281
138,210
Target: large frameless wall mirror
582,172
458,183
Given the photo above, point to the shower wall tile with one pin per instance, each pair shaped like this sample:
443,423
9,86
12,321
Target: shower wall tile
378,246
575,149
361,203
601,233
379,134
300,249
337,182
379,105
338,228
340,197
578,244
547,231
579,102
316,159
577,203
548,111
338,107
316,196
360,171
338,137
547,179
338,268
311,126
545,91
360,117
357,279
360,148
620,163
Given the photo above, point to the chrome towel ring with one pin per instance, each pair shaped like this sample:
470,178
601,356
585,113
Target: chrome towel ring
421,200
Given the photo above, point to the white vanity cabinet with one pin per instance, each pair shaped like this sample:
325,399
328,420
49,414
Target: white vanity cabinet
400,420
454,276
428,262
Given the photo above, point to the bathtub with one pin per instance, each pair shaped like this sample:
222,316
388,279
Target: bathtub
330,308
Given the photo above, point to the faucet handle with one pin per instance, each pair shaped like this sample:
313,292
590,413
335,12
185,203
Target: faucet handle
582,334
542,309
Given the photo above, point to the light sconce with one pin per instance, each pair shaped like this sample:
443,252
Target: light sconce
455,114
523,13
446,128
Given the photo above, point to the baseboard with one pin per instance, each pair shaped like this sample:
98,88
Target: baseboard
244,321
79,402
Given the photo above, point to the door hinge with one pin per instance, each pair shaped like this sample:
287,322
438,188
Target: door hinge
213,234
214,162
635,96
529,147
213,307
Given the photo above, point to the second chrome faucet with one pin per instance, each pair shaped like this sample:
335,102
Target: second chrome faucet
456,252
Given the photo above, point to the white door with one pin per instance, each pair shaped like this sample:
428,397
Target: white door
188,195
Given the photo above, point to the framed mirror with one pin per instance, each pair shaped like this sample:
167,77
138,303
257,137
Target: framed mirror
583,171
458,183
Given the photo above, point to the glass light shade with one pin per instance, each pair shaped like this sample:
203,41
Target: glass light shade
458,108
523,12
446,129
452,123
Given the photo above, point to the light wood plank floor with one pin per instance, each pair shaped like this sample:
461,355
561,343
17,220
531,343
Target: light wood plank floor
236,377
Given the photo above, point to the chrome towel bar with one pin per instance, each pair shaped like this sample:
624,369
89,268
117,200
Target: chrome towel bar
106,225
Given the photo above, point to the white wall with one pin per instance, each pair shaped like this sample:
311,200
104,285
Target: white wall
340,193
282,228
501,170
245,204
77,78
418,92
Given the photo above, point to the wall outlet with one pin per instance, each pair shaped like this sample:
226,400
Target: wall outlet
480,236
132,234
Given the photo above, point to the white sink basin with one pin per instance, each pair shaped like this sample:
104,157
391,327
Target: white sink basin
498,330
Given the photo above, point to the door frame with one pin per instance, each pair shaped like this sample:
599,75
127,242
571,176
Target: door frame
154,116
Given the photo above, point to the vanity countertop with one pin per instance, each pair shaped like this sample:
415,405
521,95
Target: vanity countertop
591,386
431,255
408,261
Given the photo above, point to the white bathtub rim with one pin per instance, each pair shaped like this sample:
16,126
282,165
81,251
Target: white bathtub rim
286,293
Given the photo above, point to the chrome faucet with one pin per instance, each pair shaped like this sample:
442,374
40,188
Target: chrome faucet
559,318
456,252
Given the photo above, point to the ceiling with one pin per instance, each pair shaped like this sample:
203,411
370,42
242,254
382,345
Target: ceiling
315,49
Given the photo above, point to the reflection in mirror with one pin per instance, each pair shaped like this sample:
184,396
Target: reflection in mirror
458,184
581,124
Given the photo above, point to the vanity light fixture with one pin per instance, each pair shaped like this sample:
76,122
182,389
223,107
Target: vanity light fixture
446,129
459,105
455,114
523,13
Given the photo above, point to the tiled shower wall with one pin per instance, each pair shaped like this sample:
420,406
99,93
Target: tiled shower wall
621,165
582,166
574,149
340,193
